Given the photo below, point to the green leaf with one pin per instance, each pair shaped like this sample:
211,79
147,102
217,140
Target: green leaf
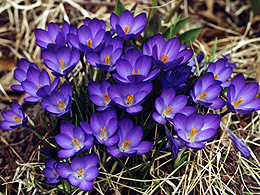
179,25
153,27
119,8
213,50
189,36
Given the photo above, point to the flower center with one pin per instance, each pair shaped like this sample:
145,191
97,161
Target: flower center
60,103
126,143
129,100
165,58
203,95
39,85
239,101
62,64
89,43
17,119
80,172
216,76
55,172
106,97
107,60
76,142
126,29
167,111
54,40
102,132
134,73
192,133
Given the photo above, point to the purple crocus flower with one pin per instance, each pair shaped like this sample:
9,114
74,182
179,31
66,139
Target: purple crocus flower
58,102
54,35
227,58
205,92
81,172
90,36
61,62
103,126
21,73
134,67
238,143
196,129
38,85
130,96
221,72
166,54
73,140
108,55
130,137
176,78
50,171
167,105
127,26
172,143
99,94
240,96
13,118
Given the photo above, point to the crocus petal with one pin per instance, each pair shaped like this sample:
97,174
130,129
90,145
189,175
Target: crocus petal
143,147
63,169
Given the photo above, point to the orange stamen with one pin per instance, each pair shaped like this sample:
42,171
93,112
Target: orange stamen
216,76
134,73
62,64
106,98
126,29
60,103
39,86
165,58
126,143
107,59
76,142
17,119
80,172
55,172
203,95
130,98
54,40
239,101
168,110
89,43
192,133
102,131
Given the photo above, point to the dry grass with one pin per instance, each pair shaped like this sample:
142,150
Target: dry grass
217,169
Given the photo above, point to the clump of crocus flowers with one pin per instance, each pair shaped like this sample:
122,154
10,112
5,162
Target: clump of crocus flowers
153,79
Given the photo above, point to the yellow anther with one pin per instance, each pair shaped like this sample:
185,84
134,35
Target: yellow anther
126,143
107,60
39,85
239,101
60,103
89,43
102,131
80,172
134,73
203,95
165,58
76,142
17,119
192,133
62,64
55,172
126,29
54,40
130,98
216,76
106,97
168,110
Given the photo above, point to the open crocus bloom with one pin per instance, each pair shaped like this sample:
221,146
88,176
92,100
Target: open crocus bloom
196,129
127,26
130,137
240,96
